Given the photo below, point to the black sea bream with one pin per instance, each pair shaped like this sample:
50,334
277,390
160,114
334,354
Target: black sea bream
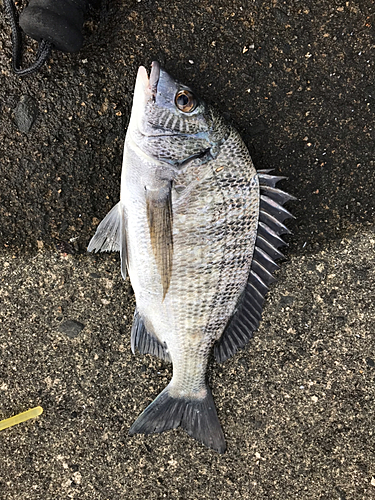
198,230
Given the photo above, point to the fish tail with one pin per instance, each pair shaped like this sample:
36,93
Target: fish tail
197,416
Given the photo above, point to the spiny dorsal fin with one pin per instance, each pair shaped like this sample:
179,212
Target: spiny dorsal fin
160,220
248,312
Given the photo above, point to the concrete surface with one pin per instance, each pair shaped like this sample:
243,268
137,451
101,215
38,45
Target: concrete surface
297,79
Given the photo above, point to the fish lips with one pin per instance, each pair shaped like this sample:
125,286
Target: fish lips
149,84
159,87
154,77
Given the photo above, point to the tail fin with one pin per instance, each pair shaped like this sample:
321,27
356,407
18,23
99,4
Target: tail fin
197,416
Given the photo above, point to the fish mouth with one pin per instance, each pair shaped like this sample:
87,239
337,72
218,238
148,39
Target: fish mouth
149,84
154,77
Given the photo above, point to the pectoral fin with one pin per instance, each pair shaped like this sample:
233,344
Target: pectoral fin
160,220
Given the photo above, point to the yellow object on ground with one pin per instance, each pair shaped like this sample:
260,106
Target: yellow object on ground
21,417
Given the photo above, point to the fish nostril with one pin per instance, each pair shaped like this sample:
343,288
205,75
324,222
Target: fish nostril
179,188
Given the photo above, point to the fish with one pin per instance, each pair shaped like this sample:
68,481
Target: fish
198,230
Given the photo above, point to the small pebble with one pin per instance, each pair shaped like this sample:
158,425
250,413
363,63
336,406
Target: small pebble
280,16
71,328
26,113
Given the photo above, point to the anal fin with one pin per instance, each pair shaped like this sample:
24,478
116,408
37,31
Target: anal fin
144,341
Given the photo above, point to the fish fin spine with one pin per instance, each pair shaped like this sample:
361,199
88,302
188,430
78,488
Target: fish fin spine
247,315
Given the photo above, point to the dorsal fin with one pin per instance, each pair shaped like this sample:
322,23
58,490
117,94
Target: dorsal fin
246,317
144,341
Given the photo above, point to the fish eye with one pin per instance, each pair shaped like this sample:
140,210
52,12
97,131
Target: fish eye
185,101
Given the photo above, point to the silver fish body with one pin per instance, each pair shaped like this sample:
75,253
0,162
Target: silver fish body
198,231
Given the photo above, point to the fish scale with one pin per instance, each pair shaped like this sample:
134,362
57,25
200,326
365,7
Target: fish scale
198,231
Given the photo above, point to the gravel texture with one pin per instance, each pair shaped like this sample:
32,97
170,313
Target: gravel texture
296,406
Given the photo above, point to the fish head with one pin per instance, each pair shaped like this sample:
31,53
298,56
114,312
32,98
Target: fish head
162,105
169,121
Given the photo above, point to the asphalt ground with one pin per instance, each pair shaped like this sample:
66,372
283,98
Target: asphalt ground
297,405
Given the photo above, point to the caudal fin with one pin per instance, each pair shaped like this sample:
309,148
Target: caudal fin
197,416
